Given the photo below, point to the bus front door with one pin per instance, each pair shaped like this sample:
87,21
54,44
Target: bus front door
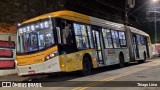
97,41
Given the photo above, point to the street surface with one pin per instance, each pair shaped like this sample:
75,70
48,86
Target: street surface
105,78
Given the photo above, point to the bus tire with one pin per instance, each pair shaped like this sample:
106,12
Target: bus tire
86,66
121,60
144,58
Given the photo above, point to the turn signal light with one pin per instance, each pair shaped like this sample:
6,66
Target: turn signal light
94,59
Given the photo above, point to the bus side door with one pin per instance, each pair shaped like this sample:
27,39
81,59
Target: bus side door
98,46
135,46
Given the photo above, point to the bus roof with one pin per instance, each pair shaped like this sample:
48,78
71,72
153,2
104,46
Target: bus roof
137,31
66,14
74,16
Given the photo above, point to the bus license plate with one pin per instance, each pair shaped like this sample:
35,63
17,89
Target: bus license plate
31,72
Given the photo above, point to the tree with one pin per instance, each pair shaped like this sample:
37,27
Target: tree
14,11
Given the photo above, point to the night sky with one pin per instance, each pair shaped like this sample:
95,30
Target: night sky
14,11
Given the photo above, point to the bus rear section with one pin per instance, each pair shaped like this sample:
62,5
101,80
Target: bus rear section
141,45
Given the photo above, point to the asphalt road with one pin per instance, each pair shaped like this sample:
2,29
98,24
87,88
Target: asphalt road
134,76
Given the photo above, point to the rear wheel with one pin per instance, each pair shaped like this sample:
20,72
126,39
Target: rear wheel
121,61
144,58
87,66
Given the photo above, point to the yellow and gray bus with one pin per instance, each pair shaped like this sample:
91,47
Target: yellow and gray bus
66,41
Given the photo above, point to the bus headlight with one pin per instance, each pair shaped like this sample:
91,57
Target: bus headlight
51,55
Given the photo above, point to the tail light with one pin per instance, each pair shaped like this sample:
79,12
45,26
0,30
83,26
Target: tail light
51,55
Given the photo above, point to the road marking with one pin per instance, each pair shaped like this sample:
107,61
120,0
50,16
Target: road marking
108,79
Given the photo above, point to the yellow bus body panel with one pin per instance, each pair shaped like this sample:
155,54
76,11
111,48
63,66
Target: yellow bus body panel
65,14
73,61
68,62
35,58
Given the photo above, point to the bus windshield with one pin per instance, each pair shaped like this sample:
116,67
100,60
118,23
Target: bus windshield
35,36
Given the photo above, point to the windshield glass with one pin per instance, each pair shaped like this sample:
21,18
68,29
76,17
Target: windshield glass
35,36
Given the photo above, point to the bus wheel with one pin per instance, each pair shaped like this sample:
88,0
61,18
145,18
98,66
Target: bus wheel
144,60
121,60
144,55
87,66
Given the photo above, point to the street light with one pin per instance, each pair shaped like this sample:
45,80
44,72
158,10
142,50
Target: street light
128,5
155,14
155,0
155,20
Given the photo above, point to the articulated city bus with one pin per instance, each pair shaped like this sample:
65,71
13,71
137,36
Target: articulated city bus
66,41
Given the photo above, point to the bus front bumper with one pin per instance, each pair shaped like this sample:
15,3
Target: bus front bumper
48,66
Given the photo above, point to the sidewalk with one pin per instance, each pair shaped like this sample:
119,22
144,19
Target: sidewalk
13,77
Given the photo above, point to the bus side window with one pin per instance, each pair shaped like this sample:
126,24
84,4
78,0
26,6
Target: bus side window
81,36
139,40
122,39
90,36
107,38
115,38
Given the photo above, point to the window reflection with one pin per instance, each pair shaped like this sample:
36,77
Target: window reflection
48,39
26,43
41,41
90,36
81,36
38,39
107,38
34,42
122,38
115,38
